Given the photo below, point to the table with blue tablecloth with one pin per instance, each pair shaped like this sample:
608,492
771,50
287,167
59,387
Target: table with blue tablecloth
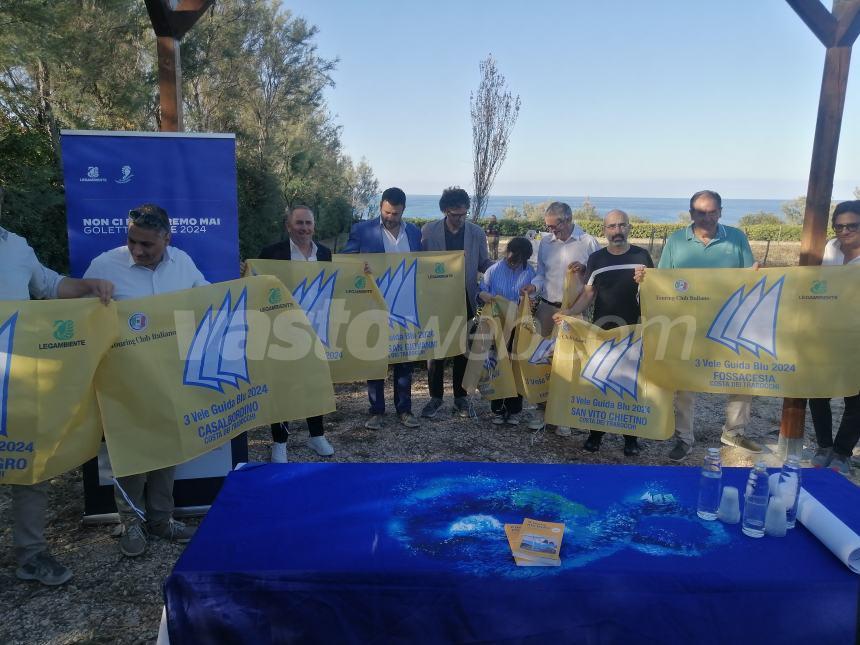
358,553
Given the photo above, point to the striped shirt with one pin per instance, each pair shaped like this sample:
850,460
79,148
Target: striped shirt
501,280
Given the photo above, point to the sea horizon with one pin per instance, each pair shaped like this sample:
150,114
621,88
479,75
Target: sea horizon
653,209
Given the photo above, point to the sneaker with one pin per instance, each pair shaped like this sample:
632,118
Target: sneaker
592,444
537,422
631,447
840,463
513,420
462,407
321,446
408,420
498,419
563,431
173,531
279,453
429,411
43,568
374,422
822,457
679,452
132,542
740,441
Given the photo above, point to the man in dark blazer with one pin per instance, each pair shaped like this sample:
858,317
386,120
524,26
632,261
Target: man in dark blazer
300,246
388,233
454,233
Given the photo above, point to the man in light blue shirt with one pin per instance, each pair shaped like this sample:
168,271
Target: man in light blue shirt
147,266
707,244
22,276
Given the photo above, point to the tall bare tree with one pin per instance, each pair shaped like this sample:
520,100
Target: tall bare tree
494,112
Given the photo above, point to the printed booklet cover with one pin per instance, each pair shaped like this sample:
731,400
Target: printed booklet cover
512,531
540,541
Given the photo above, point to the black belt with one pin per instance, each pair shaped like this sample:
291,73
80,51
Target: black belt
557,305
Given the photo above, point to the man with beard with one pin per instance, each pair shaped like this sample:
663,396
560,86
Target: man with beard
388,233
454,233
610,286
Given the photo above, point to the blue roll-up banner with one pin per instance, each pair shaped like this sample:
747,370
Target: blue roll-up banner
191,176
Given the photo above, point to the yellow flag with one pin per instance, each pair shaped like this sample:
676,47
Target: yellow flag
346,309
532,364
488,367
426,297
192,369
597,383
788,332
49,352
532,359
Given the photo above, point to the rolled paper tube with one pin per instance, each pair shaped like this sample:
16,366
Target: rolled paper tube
833,532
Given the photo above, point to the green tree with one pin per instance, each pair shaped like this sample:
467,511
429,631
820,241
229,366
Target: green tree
586,212
751,219
365,189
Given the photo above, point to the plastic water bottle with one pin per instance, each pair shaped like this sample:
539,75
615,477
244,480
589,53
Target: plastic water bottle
710,485
755,501
789,488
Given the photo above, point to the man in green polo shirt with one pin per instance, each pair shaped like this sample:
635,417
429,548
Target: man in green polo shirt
707,244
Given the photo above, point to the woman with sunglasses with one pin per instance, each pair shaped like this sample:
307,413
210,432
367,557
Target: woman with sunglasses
836,454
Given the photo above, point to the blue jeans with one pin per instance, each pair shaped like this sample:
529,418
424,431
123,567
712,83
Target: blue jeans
402,390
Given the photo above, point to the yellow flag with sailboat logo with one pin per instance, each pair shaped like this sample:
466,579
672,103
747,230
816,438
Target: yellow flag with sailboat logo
425,293
488,365
598,383
192,369
787,332
49,352
346,309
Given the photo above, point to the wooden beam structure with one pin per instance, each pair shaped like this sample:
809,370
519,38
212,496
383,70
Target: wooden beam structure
171,21
837,31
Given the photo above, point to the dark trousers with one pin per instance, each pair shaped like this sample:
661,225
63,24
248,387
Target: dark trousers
509,406
402,374
436,373
849,427
280,431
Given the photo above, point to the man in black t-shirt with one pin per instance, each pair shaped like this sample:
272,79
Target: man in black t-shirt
610,286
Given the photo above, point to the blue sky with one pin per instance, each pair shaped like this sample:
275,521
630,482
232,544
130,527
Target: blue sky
619,98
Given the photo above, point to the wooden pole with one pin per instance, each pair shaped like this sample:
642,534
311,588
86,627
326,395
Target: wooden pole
837,31
170,83
171,20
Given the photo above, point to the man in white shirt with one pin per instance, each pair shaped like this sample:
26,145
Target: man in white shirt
566,246
22,276
147,266
299,246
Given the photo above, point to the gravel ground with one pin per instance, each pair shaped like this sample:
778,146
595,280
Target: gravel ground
112,599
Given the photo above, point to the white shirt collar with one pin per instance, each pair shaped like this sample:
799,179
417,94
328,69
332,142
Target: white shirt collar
575,235
296,252
167,257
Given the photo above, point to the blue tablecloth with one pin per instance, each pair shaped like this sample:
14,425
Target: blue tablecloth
358,553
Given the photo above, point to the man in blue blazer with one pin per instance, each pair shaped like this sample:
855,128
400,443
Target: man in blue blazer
388,233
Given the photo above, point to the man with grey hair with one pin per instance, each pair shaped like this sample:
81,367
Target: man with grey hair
147,266
610,286
22,277
299,246
566,246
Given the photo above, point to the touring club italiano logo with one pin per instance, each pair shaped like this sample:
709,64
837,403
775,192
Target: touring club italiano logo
217,355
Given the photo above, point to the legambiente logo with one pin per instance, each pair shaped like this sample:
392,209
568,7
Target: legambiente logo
749,321
217,354
615,366
400,295
7,337
543,352
315,300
